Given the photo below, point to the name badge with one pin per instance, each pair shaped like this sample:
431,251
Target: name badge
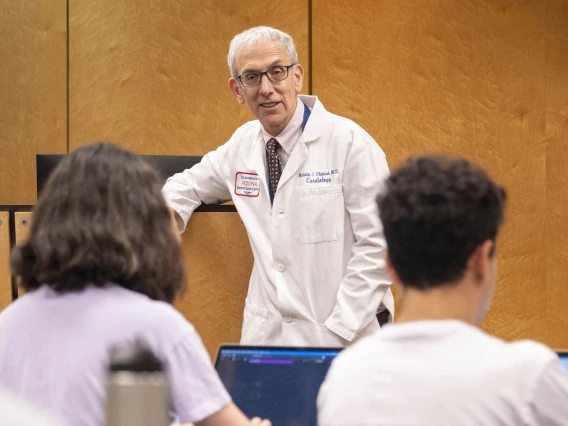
247,184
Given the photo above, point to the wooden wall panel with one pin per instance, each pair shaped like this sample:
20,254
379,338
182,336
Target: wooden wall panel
484,79
153,76
22,227
556,131
219,261
5,279
33,81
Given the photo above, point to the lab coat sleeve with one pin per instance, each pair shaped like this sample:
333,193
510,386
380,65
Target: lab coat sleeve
203,183
366,280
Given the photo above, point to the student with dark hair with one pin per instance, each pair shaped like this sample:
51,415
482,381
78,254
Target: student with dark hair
441,217
95,281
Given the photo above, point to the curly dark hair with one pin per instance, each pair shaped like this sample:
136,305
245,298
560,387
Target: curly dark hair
101,218
435,211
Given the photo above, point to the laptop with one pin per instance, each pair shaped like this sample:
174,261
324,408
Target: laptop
563,359
277,383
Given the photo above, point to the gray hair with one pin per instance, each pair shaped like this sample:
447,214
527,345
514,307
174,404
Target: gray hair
256,35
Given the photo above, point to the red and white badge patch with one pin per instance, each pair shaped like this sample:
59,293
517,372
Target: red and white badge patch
247,184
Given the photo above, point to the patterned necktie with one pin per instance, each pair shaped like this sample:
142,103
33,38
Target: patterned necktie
274,165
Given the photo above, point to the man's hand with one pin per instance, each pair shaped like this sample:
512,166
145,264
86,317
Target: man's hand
175,216
256,421
231,415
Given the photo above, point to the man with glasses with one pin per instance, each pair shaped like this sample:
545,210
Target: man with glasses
304,182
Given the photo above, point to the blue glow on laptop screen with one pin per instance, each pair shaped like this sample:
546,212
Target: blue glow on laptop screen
564,360
278,384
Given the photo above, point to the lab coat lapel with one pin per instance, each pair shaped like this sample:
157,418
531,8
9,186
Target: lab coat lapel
259,162
298,157
311,132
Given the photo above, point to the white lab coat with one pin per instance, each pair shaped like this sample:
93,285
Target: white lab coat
319,275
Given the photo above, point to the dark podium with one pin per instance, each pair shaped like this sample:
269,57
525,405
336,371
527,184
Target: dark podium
165,165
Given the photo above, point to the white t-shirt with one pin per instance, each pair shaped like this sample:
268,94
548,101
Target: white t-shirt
443,373
55,351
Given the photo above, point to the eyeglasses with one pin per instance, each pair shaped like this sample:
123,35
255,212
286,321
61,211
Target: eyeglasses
274,74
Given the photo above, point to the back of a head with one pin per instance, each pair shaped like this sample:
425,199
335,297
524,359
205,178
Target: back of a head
435,211
257,35
101,218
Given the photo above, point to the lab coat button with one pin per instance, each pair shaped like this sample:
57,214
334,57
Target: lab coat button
281,268
288,319
281,213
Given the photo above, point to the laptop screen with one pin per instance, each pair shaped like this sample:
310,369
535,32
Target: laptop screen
277,383
564,359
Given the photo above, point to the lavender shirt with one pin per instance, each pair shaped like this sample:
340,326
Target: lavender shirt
54,351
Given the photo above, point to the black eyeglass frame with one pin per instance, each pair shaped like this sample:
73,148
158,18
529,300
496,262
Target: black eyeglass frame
287,67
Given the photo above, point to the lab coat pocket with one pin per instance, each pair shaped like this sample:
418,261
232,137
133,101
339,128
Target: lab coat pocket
254,325
318,214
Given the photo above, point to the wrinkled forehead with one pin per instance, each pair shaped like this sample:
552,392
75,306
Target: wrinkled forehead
259,55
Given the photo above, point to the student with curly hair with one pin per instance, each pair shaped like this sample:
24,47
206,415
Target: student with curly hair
434,366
